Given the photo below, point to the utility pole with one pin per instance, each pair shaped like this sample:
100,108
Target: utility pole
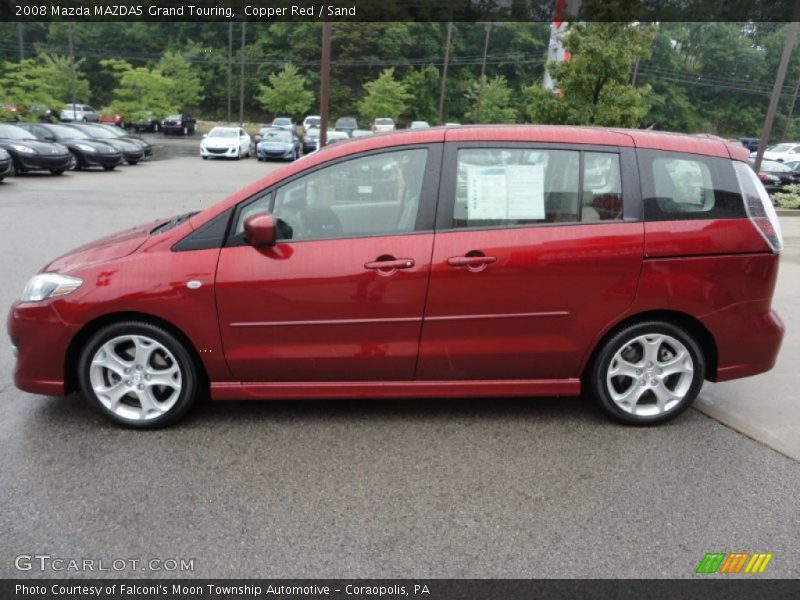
483,69
635,73
21,35
324,89
241,79
791,34
71,72
791,110
230,67
444,71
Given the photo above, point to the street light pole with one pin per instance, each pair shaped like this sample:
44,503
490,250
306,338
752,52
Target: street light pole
444,71
324,91
241,78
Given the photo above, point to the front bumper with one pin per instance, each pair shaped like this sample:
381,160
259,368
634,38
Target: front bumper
41,339
6,168
43,162
103,160
133,155
282,153
219,152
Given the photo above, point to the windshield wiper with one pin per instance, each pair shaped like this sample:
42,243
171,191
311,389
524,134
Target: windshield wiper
173,222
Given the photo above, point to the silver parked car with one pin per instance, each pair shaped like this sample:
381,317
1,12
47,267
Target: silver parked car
79,112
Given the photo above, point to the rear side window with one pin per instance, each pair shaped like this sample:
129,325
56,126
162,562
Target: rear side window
508,187
685,186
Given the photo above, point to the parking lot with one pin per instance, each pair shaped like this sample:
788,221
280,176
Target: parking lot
427,488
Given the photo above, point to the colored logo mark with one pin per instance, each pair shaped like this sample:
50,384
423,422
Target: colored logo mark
735,562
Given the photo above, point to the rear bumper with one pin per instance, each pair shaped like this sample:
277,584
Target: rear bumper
41,340
747,342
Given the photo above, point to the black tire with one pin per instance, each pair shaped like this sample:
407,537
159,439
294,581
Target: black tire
133,162
57,171
204,157
596,381
109,167
156,128
75,162
185,130
191,378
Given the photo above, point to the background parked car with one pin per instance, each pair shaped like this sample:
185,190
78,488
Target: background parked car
750,143
132,153
123,134
781,152
113,119
86,152
278,143
334,137
382,124
346,124
180,124
6,164
79,112
284,123
30,154
225,142
311,122
419,125
151,123
778,175
310,139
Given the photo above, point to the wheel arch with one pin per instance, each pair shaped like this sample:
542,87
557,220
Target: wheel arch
704,337
89,329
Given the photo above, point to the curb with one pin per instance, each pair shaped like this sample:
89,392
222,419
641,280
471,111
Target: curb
788,212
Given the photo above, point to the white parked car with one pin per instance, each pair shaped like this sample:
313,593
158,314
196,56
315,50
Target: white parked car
311,122
382,124
419,125
225,142
334,136
781,152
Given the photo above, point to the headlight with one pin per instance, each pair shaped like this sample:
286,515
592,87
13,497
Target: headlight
86,148
23,149
50,285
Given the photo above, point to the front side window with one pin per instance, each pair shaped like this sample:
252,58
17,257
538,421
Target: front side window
371,195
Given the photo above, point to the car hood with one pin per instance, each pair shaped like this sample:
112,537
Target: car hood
220,142
96,144
276,143
40,147
111,247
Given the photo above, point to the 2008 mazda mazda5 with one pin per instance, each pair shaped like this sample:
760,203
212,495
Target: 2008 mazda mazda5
469,261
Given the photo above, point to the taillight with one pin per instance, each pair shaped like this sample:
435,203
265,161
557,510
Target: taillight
758,206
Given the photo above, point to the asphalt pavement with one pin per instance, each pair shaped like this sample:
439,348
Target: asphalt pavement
427,488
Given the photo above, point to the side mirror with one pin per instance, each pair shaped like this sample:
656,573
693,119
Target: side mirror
259,230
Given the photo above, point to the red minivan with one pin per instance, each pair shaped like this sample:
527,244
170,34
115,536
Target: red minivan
468,261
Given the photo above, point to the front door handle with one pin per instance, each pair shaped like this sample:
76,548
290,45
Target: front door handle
387,265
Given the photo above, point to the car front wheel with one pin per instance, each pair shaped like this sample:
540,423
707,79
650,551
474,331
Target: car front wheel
647,373
138,374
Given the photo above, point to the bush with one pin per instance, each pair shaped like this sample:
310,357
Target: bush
789,197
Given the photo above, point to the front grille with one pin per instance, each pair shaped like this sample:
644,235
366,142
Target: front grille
216,150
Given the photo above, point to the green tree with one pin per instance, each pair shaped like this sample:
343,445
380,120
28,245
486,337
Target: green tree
593,87
141,92
491,101
186,89
286,93
385,97
423,88
45,79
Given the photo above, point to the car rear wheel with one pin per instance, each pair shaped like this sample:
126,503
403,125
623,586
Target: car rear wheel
57,171
138,374
647,373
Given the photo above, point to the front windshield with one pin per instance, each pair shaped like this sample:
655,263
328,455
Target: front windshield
278,135
62,132
774,166
12,132
98,132
313,122
282,121
223,133
116,131
780,148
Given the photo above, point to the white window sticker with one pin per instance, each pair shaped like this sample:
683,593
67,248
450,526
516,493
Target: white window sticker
505,192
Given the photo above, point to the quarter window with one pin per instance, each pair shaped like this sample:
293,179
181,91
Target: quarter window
602,188
684,186
372,195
